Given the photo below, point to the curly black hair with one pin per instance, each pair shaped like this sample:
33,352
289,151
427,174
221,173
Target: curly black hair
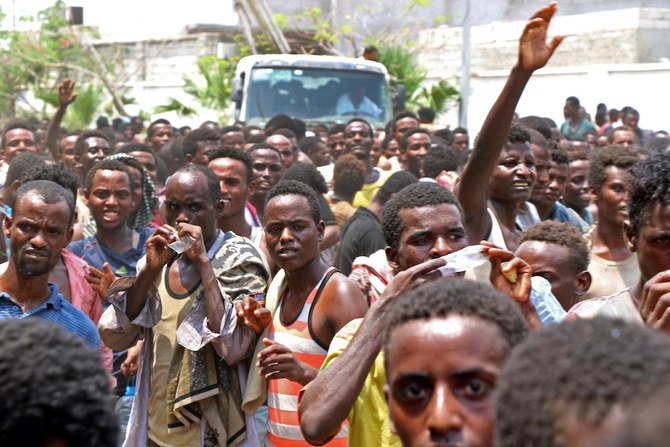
518,134
110,165
562,234
579,369
444,297
295,188
601,159
394,184
190,145
57,173
307,174
348,175
417,195
559,156
245,158
648,186
21,164
440,158
53,387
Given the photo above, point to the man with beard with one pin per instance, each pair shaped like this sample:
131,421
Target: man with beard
39,229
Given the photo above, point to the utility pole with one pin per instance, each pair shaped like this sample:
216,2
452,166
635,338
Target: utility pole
465,69
263,15
243,13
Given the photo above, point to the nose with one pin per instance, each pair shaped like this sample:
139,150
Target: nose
440,248
38,241
111,200
183,216
444,417
285,235
523,170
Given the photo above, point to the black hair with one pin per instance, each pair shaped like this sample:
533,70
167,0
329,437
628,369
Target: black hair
18,124
446,297
55,390
518,134
438,159
404,114
190,144
310,145
80,144
370,49
247,131
213,185
49,192
280,121
395,183
150,129
361,120
57,173
307,174
139,147
538,139
658,144
536,123
427,114
580,369
263,145
621,157
109,165
348,175
573,100
417,195
228,129
337,128
20,165
562,234
244,157
559,156
255,138
648,186
408,133
295,188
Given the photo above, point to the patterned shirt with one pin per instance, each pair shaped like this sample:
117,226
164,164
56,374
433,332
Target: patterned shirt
56,310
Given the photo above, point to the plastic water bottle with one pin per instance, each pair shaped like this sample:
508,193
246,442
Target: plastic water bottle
123,406
547,306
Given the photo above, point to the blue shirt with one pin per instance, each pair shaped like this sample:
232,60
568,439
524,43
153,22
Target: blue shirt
122,264
56,310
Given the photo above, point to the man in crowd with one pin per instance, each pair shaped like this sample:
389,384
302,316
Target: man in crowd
159,133
460,140
199,144
402,122
309,303
38,230
17,137
613,265
289,154
182,305
91,147
317,151
267,170
575,125
631,118
414,146
621,136
232,137
577,194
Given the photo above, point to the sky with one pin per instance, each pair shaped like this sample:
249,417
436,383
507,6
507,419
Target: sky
129,20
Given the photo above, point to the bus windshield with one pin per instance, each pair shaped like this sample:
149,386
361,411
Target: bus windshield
327,96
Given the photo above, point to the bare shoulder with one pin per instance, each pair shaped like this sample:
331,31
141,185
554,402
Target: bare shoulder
341,289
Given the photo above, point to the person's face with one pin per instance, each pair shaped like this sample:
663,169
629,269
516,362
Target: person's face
288,156
403,125
320,157
358,140
418,145
110,199
430,232
66,147
148,163
392,149
235,186
577,192
137,187
291,235
542,163
623,138
204,149
336,144
590,140
558,178
187,200
630,120
442,374
18,141
653,243
601,141
267,168
233,140
162,133
612,198
512,180
553,263
461,142
95,150
376,151
38,232
570,110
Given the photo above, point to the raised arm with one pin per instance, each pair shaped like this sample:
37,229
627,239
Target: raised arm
534,52
65,98
328,399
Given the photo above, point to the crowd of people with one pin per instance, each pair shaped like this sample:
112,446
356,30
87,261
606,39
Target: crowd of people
343,285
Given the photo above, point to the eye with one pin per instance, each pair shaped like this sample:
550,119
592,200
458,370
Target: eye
412,391
509,163
477,388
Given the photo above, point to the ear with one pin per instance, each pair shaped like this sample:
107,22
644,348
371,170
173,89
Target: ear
189,158
84,199
321,229
629,235
392,258
218,209
8,224
14,186
251,188
387,392
582,283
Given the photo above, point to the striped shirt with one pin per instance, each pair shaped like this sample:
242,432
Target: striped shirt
56,310
283,423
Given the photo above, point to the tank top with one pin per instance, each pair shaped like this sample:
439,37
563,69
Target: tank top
283,423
